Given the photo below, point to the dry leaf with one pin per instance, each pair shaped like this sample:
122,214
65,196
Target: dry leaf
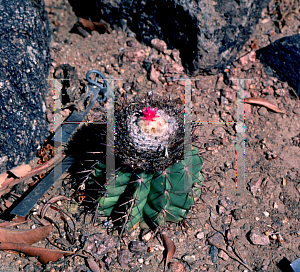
3,177
18,220
98,26
20,171
35,171
169,249
24,236
93,266
44,255
51,201
263,102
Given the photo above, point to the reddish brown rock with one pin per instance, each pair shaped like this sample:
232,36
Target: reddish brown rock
154,74
175,69
254,185
258,238
133,55
159,45
230,94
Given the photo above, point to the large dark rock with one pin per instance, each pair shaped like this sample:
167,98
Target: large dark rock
24,66
283,57
208,33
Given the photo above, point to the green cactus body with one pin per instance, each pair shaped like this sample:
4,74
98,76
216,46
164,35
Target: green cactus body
171,194
141,189
164,196
115,187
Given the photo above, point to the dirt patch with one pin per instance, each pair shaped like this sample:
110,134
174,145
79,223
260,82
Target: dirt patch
261,225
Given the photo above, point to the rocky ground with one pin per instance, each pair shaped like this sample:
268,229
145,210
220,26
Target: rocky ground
261,225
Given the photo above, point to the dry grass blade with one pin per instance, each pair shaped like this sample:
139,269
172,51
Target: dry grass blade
44,255
263,102
169,250
24,236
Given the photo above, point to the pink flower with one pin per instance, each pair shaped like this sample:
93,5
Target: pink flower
149,114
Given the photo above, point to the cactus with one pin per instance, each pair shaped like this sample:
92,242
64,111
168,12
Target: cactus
163,180
163,196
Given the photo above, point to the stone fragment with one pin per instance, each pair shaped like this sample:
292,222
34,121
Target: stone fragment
216,239
282,56
176,55
138,247
176,267
262,111
257,238
227,203
244,60
224,101
159,45
238,214
221,210
268,90
189,258
98,244
200,235
229,94
175,69
247,108
124,257
252,56
132,43
109,70
254,185
219,132
231,234
282,92
133,55
154,75
223,255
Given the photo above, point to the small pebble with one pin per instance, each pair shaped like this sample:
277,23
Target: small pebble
159,247
176,267
220,209
200,235
217,239
189,258
254,185
258,238
132,43
175,55
147,237
159,45
154,75
262,111
223,255
266,214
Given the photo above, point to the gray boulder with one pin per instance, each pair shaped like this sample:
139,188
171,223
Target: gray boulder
208,33
282,59
24,65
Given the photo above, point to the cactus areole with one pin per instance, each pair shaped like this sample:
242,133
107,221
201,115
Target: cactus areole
159,183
